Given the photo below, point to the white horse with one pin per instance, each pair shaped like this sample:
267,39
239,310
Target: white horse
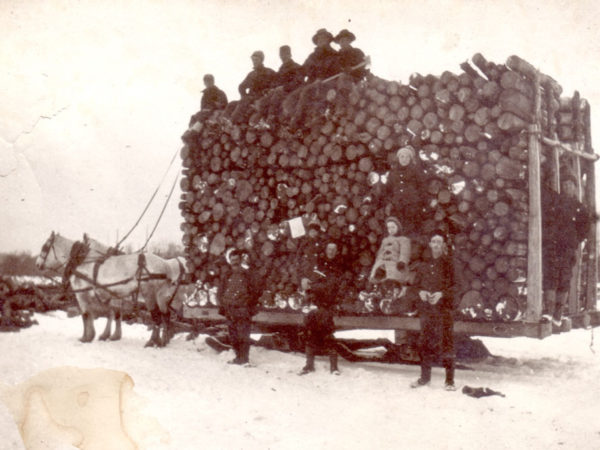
96,278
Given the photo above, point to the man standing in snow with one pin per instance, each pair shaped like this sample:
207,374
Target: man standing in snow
434,280
565,224
319,326
238,294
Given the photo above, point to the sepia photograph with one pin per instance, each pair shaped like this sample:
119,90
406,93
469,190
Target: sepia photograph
301,224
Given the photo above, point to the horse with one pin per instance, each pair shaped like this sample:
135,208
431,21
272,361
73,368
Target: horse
158,305
99,251
104,279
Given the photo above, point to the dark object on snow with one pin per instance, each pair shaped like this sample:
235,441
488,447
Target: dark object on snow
217,344
479,392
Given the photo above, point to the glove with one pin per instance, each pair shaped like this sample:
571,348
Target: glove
401,265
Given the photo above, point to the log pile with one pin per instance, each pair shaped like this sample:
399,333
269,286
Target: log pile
243,182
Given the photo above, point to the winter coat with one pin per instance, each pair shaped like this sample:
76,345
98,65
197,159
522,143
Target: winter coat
393,250
257,82
349,58
405,187
322,63
238,294
289,76
213,98
565,222
435,275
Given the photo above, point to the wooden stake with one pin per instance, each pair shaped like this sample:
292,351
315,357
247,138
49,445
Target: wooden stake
534,258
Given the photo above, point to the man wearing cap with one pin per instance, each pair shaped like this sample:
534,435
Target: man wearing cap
259,80
322,286
213,99
238,297
321,64
565,224
434,281
289,77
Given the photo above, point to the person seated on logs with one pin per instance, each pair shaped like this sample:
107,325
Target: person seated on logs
405,191
213,99
352,63
565,224
259,80
322,287
289,77
350,57
391,263
321,64
434,281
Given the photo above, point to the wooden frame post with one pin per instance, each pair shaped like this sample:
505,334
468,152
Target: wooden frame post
590,188
534,253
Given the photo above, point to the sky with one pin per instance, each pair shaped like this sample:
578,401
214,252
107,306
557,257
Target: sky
95,95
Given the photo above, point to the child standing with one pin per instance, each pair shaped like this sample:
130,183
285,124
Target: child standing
434,280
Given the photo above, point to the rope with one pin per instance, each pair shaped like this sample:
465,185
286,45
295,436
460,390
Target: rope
149,202
161,213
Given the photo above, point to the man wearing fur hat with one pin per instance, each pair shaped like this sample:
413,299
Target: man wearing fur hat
565,224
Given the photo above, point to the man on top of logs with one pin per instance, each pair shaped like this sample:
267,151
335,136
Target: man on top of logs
352,65
289,77
565,224
257,82
321,64
213,99
350,57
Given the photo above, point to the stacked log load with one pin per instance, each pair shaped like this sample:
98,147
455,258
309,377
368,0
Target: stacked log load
243,182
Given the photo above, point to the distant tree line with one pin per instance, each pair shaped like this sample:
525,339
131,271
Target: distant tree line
21,263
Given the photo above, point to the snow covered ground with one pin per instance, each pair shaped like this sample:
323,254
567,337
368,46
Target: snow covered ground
187,397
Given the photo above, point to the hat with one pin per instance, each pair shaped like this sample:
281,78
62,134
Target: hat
322,32
259,53
438,232
406,149
394,220
344,34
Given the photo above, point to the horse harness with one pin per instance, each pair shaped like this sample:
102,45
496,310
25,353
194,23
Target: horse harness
79,251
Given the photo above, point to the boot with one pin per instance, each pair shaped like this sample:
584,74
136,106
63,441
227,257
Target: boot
549,303
449,383
333,363
425,376
310,361
561,301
